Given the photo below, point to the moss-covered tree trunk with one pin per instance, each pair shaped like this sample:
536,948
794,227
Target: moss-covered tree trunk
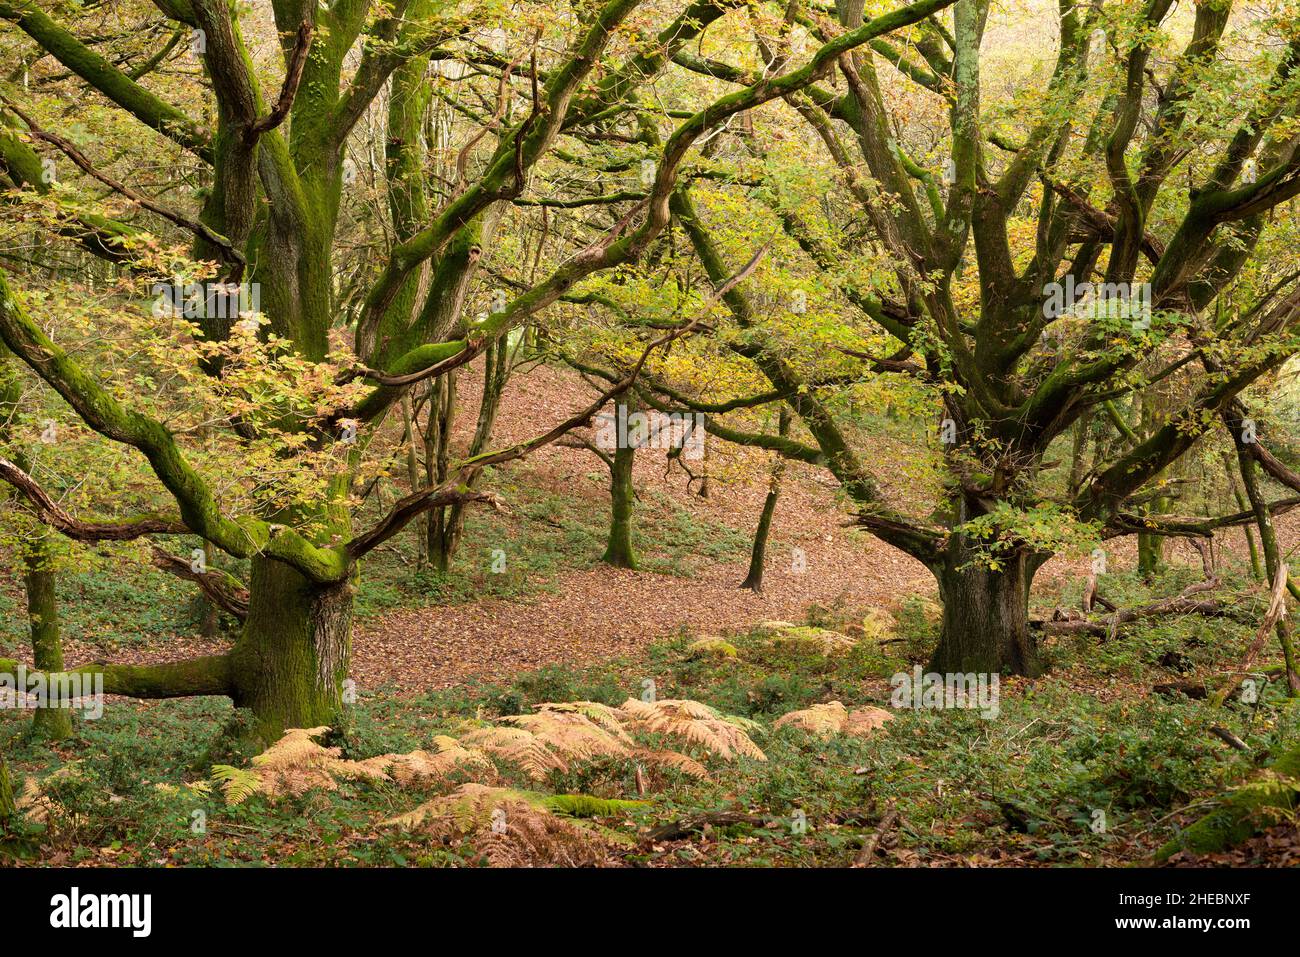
40,579
1151,553
413,475
7,804
985,614
1150,547
437,464
208,613
622,494
1079,446
1256,569
758,554
293,656
1273,557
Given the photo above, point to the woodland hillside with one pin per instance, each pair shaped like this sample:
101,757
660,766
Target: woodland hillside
624,433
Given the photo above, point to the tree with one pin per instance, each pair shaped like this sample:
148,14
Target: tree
758,552
960,251
622,494
6,795
40,579
276,172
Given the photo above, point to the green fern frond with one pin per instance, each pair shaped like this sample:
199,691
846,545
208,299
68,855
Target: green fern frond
237,784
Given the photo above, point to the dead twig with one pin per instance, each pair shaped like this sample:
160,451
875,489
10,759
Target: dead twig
1276,610
1230,739
869,849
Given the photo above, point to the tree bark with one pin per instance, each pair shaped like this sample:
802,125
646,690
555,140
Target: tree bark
53,723
754,579
1079,446
1151,547
7,808
1268,544
437,463
293,656
985,615
618,548
445,526
288,665
1242,505
413,477
209,613
1151,552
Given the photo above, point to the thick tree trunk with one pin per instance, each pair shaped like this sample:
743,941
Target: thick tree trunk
288,666
293,656
52,724
985,617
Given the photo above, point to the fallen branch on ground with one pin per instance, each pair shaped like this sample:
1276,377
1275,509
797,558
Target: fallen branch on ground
694,823
869,849
1181,604
1230,739
1276,609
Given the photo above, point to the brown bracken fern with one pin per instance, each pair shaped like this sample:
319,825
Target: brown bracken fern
695,723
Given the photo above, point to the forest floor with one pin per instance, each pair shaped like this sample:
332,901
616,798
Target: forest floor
555,603
432,653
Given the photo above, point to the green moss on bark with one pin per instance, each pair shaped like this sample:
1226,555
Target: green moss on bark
53,724
1241,813
618,547
6,794
293,656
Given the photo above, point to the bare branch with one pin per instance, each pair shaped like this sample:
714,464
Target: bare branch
292,77
105,530
222,589
221,242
